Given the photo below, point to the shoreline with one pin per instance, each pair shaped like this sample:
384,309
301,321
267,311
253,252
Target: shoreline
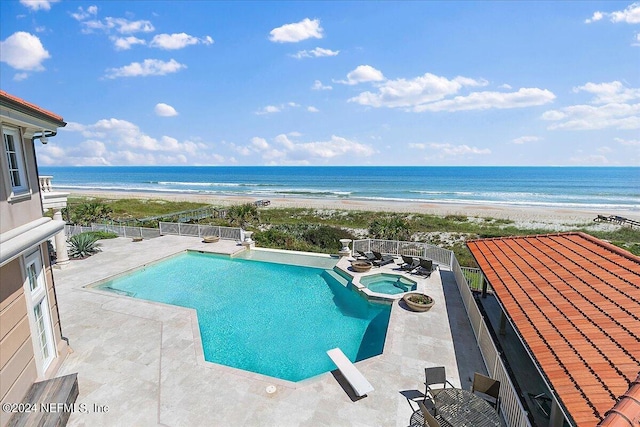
524,216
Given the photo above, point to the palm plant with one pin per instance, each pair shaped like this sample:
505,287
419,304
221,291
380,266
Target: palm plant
242,215
83,245
389,228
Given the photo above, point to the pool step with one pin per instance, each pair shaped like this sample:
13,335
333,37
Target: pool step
333,275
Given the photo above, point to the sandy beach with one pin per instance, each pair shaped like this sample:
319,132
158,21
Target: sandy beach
526,216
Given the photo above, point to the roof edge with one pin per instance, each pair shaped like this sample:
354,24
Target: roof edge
23,106
592,239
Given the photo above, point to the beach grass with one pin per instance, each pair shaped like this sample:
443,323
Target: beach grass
290,226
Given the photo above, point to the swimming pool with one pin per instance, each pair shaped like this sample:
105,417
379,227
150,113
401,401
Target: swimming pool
274,319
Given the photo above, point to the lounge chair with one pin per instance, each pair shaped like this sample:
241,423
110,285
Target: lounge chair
425,267
368,255
409,263
435,376
488,389
381,260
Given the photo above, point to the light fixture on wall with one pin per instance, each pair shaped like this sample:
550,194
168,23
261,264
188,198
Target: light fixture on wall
43,137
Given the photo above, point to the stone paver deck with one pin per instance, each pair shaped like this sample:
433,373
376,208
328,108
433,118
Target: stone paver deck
140,363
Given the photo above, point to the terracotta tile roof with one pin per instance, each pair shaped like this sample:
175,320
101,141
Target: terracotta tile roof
33,107
575,301
626,413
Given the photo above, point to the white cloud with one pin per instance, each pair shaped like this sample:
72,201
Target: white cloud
23,51
613,108
120,142
362,74
525,139
312,109
524,97
449,150
428,93
125,43
315,53
589,117
293,33
120,25
286,151
317,85
609,92
82,14
630,15
417,145
165,110
591,159
36,5
18,77
630,142
269,109
149,67
505,86
177,41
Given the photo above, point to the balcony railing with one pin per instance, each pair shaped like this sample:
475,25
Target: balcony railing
51,199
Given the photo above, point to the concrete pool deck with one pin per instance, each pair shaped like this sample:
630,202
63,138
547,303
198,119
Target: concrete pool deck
140,363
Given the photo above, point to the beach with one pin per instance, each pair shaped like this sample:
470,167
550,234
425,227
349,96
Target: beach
539,217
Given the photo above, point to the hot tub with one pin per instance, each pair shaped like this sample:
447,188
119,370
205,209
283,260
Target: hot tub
390,284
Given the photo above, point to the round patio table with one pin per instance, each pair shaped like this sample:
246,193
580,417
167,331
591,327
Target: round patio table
461,408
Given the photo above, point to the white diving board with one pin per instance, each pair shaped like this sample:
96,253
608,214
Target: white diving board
359,383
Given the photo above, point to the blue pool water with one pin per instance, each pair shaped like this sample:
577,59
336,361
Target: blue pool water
390,284
274,319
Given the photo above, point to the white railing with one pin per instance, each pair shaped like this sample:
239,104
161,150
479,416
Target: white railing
45,183
176,228
511,407
416,249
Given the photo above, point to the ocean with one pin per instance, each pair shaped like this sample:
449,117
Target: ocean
594,188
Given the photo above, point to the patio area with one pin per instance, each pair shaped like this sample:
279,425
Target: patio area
141,363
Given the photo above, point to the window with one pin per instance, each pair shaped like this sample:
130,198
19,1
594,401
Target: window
15,160
40,319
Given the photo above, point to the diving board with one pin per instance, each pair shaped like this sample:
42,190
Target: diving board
359,383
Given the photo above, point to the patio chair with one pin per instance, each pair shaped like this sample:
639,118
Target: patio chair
435,376
426,267
381,260
429,419
487,388
409,263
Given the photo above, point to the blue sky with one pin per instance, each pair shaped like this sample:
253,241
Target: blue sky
329,83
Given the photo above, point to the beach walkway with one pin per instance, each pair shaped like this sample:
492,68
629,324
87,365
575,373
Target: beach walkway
143,361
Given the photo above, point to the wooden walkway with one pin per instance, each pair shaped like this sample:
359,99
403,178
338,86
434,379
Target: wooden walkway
617,220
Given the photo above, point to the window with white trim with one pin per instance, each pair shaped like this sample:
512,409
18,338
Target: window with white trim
15,160
39,317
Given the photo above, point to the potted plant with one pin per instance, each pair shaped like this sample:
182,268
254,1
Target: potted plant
418,301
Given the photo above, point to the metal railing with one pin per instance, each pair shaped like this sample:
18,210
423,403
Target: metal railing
396,247
474,278
511,408
174,228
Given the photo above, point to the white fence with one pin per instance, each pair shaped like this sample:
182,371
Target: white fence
228,233
416,249
511,408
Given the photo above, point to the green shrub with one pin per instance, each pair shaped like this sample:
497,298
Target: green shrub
83,245
390,228
326,237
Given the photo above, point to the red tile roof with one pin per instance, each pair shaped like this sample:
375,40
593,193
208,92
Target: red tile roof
626,413
575,301
32,107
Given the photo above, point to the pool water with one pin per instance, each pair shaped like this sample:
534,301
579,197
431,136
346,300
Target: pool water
274,319
390,284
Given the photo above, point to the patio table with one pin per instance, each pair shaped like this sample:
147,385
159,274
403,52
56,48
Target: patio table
462,408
